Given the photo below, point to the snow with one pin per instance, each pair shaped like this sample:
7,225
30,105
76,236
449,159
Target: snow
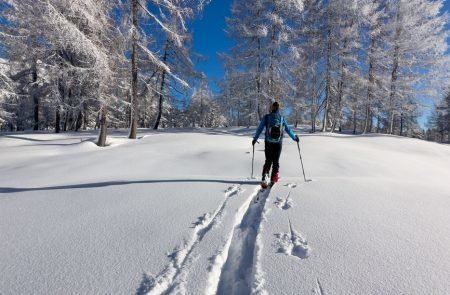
174,212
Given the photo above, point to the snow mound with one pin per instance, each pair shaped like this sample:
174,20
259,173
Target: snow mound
175,212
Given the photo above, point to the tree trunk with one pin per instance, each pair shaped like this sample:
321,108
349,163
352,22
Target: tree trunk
161,89
338,112
128,110
258,82
391,123
79,120
62,94
201,111
66,119
313,106
34,95
239,113
134,72
366,120
370,86
57,120
401,124
371,121
103,128
85,118
328,84
378,123
272,56
394,74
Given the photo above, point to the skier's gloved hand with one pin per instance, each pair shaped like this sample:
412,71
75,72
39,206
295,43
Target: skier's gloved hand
297,139
253,141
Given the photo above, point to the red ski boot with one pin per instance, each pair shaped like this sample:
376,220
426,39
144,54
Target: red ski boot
274,178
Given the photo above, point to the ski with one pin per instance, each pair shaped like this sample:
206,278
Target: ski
263,189
265,185
265,181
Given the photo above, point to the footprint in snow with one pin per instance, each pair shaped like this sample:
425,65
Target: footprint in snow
207,217
202,220
292,243
232,190
284,203
291,185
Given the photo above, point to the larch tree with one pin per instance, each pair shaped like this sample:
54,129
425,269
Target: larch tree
167,19
418,42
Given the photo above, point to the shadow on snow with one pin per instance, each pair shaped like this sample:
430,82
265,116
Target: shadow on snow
9,190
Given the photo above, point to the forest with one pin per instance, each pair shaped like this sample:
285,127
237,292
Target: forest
354,66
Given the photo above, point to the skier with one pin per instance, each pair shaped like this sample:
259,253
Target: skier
274,123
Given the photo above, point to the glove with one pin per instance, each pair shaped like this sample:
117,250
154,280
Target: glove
297,139
253,141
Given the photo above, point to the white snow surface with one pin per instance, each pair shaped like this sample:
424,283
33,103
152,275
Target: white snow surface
175,212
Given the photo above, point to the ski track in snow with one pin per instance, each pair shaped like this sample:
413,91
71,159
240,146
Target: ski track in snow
237,274
318,290
172,278
292,243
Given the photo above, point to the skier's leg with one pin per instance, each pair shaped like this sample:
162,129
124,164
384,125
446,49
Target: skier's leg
268,163
276,162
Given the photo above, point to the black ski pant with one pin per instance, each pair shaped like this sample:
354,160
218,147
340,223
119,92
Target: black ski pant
273,152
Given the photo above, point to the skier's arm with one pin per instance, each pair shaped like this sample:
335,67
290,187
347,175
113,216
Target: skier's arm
260,128
289,131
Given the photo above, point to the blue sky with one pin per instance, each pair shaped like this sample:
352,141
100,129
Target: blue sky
210,38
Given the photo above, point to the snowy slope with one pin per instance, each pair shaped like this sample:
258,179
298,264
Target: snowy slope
174,212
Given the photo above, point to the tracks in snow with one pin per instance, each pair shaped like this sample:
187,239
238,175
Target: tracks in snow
293,244
318,290
235,269
237,272
172,278
287,202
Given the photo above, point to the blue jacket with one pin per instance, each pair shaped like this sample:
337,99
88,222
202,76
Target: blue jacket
263,125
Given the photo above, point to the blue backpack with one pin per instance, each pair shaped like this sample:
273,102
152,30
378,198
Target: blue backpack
274,127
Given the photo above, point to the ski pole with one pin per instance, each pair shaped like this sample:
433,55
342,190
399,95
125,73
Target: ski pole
253,159
301,161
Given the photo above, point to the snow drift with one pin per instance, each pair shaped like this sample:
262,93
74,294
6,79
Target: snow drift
175,212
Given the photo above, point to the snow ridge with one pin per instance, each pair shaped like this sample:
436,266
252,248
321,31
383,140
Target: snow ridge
173,277
238,271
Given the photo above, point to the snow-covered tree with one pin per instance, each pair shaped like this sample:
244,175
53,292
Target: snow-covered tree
439,121
203,110
418,42
257,66
169,38
68,47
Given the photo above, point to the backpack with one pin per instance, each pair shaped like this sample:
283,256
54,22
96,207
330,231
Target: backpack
274,128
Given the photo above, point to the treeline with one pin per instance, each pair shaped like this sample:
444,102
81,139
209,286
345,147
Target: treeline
82,64
439,122
338,65
359,65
